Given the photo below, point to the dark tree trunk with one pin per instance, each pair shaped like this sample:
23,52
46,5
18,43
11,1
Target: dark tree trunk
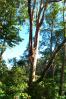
64,57
62,77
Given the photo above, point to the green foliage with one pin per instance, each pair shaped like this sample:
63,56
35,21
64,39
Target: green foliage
25,96
2,93
8,22
50,89
3,72
16,81
52,13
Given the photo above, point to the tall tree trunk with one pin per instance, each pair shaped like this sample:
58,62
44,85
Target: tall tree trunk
51,45
62,77
64,57
35,60
33,45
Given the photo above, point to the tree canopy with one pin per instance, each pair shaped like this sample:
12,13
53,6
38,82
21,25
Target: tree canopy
33,77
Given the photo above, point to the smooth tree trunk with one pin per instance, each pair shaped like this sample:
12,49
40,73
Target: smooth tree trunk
33,44
35,60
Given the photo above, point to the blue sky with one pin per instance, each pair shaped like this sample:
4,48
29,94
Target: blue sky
18,50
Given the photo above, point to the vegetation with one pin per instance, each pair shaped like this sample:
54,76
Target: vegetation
31,77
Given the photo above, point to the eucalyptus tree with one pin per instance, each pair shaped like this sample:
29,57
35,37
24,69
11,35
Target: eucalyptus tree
36,10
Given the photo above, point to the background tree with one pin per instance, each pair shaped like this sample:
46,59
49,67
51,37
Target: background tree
9,24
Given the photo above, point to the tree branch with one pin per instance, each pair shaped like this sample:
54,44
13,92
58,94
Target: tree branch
33,7
47,66
30,34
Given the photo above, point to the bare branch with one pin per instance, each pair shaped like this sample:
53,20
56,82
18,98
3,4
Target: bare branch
37,24
33,7
30,20
42,18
